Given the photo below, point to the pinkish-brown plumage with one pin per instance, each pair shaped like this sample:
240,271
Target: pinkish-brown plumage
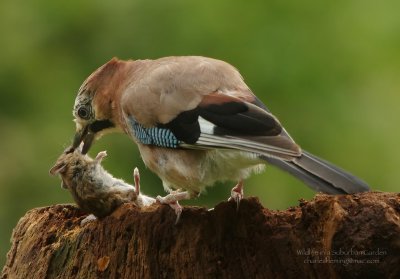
195,122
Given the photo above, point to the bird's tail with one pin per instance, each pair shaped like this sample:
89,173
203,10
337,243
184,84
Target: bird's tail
320,175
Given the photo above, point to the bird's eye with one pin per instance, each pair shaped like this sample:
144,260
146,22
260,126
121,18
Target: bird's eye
83,113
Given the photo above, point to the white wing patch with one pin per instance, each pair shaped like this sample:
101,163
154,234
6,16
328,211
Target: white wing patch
272,146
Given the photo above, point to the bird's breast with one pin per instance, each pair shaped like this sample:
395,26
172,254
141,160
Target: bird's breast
193,170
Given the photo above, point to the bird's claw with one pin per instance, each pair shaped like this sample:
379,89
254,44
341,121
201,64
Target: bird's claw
236,197
237,194
172,201
178,210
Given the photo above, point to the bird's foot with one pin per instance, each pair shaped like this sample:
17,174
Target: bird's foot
178,210
237,194
173,199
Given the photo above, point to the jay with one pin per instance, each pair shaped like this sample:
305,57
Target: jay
195,122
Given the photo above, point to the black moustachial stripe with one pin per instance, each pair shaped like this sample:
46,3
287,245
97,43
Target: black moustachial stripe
99,125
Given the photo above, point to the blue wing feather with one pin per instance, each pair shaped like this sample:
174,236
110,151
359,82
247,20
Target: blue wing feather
162,137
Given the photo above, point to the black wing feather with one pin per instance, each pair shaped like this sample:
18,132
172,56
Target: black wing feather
231,118
185,126
245,119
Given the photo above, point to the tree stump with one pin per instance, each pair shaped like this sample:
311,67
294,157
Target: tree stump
344,236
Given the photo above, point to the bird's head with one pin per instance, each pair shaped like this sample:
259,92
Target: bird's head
96,109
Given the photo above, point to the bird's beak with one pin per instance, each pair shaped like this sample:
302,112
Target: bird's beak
87,134
84,135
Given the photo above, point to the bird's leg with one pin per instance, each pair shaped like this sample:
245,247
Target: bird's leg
136,176
173,199
237,193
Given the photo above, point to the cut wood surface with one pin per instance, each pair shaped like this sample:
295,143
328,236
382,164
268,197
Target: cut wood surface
345,236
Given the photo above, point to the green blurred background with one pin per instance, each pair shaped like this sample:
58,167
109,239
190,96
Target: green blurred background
330,71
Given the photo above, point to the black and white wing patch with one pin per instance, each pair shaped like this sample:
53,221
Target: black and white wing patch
233,124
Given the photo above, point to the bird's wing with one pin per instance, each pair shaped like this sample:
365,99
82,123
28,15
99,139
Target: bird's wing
197,102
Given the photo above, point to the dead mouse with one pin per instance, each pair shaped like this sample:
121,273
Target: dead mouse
95,190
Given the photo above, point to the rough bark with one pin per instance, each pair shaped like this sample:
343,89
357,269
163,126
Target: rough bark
346,236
